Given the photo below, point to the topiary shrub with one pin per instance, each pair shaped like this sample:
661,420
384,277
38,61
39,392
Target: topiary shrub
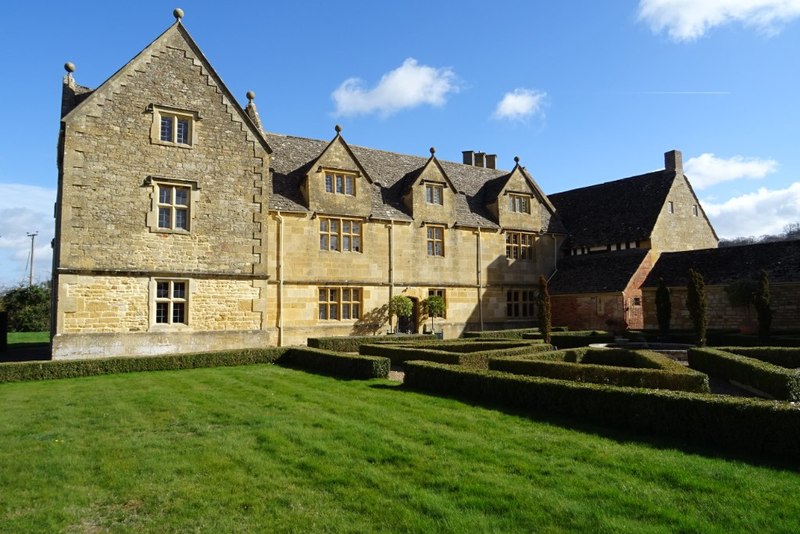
762,304
697,305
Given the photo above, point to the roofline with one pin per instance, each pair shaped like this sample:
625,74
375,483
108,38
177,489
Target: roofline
179,27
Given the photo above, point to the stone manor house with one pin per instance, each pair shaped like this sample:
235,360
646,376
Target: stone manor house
182,225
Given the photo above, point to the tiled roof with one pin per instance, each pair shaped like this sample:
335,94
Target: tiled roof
391,172
596,273
721,266
614,212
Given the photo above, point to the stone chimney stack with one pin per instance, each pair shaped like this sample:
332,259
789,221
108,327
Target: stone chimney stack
479,159
673,161
491,161
469,157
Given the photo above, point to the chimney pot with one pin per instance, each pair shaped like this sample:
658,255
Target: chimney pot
673,161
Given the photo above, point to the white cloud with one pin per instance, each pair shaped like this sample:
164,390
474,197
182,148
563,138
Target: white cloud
755,214
410,85
706,169
520,104
687,20
25,209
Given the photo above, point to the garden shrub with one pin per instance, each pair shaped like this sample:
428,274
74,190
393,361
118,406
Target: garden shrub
750,340
788,357
766,429
511,333
351,343
616,367
575,338
48,370
399,354
335,364
778,382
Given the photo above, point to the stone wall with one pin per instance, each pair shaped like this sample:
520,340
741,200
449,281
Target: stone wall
682,229
785,305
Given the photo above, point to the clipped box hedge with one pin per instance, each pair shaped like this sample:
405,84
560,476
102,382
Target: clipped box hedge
752,340
511,333
788,357
576,338
351,343
335,364
778,382
767,429
615,367
48,370
399,354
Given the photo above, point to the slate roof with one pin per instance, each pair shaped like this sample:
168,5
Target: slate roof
614,212
721,266
596,273
391,173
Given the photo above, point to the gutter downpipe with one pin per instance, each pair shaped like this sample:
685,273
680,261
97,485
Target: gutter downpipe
391,267
555,258
279,217
480,282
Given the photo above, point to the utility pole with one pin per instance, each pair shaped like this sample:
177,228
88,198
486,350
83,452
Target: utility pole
33,238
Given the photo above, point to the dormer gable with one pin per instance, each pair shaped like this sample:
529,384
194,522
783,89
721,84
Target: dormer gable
429,195
337,183
517,202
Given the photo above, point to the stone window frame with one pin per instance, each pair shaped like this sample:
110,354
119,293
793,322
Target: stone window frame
327,234
434,194
160,111
439,292
670,207
520,203
434,235
695,210
340,182
338,303
171,300
524,251
520,303
156,183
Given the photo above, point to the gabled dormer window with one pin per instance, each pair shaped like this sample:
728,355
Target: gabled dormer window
434,194
519,203
340,183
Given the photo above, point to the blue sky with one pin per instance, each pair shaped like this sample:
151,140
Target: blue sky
582,91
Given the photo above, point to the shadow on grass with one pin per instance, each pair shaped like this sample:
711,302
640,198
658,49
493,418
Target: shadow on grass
620,436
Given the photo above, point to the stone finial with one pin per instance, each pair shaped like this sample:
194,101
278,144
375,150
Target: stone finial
177,13
252,112
338,129
250,96
516,160
433,150
69,67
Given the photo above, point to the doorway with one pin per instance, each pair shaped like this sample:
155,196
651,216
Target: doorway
409,325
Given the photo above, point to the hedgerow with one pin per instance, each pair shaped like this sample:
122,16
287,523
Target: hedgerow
49,370
351,343
618,367
768,429
399,353
335,364
778,382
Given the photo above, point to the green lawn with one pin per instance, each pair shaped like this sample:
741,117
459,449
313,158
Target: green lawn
20,338
264,448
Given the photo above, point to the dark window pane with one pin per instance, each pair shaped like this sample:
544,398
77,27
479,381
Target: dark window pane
179,290
183,132
181,219
162,312
181,196
164,218
166,129
165,195
162,290
178,312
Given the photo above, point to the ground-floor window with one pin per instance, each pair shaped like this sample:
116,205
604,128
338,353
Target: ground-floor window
520,303
339,303
171,301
